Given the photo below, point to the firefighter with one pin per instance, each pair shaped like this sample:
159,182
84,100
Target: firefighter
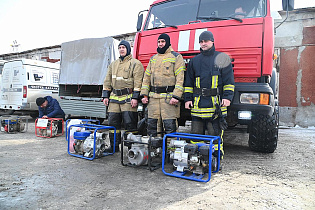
162,87
121,91
209,88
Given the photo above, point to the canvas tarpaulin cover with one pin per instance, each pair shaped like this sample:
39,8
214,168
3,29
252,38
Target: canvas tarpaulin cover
85,61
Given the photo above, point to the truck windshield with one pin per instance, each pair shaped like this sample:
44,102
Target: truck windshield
182,12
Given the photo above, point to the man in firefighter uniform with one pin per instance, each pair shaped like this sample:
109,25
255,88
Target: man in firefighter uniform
121,91
209,88
162,87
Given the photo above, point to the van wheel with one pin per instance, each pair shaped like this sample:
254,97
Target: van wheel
263,133
6,111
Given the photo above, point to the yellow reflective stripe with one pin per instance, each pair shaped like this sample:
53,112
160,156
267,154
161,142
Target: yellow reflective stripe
145,87
179,87
164,95
201,115
213,99
193,109
195,142
216,147
214,81
198,82
120,98
228,87
172,60
196,101
168,95
148,72
179,70
153,60
224,112
113,131
189,90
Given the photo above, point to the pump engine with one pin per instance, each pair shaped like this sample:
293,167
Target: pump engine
50,131
84,143
142,150
191,157
12,124
49,127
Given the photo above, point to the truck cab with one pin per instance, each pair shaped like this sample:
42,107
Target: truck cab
244,30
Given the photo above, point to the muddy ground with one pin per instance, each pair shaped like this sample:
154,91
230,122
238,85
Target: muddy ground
38,173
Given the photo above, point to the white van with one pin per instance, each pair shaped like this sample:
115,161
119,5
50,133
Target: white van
1,67
24,80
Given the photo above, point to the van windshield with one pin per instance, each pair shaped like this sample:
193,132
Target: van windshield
181,12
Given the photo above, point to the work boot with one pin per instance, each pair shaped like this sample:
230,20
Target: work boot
111,140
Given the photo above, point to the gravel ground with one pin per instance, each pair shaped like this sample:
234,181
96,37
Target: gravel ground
38,173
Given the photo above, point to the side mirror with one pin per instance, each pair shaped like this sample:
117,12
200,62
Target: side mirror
139,23
288,5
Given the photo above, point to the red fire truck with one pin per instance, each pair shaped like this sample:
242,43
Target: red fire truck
244,30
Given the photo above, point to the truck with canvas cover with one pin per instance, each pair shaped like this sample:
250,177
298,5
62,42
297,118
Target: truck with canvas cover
243,29
82,72
24,80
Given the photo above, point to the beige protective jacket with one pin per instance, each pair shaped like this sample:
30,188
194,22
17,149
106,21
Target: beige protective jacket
124,74
164,70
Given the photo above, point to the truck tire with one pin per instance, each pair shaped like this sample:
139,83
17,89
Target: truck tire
263,133
34,115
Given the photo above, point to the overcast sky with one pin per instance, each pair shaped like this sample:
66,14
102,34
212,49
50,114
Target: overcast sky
42,23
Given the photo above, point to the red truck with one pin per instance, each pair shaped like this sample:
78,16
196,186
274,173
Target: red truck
244,30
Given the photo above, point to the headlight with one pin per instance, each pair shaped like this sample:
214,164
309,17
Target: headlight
249,98
244,115
255,98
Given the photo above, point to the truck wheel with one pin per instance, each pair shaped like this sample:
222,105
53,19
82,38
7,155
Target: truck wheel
6,111
34,115
263,133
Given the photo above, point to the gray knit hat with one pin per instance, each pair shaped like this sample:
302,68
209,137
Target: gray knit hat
206,35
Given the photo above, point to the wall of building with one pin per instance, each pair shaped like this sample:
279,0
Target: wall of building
295,43
49,54
53,53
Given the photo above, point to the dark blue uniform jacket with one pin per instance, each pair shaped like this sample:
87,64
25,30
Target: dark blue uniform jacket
52,110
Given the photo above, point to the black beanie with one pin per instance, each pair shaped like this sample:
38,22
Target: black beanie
127,45
206,35
167,44
40,101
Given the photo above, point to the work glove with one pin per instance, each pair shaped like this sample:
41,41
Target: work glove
222,123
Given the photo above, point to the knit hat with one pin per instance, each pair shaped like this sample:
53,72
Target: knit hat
206,35
167,44
40,101
127,45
